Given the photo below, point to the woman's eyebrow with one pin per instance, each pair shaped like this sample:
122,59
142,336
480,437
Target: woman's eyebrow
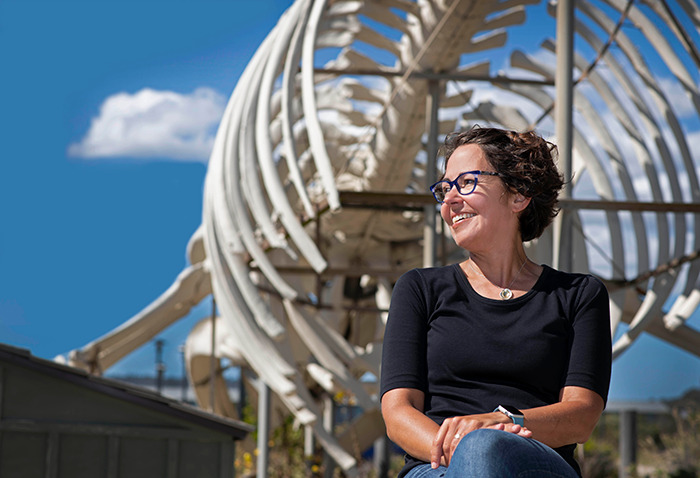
444,176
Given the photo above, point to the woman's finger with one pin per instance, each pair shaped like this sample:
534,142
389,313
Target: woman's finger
513,428
452,440
436,452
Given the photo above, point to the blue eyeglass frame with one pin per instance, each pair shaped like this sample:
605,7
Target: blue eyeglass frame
454,183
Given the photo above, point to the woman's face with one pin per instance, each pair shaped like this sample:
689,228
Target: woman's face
484,219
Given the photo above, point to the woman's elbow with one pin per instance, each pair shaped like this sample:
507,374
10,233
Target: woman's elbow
584,436
586,427
587,408
390,432
388,422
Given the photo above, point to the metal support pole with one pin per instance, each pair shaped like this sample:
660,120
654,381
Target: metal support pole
160,365
429,233
628,442
183,380
263,429
564,128
242,398
212,359
329,425
309,451
318,241
381,456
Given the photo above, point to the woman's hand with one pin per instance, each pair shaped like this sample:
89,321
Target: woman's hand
453,430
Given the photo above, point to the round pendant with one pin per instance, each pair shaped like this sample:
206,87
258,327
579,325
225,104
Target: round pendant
506,294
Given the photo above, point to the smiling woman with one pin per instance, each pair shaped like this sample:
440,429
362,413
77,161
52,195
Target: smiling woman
525,164
495,366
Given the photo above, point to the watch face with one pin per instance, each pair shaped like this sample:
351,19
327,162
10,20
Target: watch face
512,409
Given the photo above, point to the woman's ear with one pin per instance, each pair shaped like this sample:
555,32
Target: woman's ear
520,202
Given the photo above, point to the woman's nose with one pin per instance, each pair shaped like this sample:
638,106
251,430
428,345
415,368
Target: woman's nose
452,194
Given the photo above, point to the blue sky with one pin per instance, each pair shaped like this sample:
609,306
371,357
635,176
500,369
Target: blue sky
88,241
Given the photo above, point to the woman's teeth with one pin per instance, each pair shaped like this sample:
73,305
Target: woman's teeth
461,217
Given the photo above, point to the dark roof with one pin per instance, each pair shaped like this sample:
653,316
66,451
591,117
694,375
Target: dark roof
124,391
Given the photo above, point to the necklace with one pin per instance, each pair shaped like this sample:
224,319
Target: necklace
506,293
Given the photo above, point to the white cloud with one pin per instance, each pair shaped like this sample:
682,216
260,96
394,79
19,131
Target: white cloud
154,124
677,97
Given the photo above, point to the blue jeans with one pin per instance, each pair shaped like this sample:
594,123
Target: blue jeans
488,453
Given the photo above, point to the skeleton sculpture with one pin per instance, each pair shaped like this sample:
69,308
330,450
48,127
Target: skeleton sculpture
334,101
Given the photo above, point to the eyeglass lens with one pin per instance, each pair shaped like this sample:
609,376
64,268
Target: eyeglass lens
465,182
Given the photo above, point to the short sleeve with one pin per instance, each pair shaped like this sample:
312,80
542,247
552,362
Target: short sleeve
405,336
590,360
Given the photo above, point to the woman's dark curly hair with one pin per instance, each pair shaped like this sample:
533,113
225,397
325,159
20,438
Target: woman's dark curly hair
525,164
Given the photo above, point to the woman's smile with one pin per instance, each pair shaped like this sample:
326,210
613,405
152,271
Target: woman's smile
461,217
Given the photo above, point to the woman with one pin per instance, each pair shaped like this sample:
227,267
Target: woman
496,366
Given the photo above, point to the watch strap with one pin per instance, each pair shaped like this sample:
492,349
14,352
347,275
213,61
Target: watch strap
513,413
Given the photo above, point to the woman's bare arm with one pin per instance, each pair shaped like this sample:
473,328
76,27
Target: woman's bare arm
571,420
406,424
421,437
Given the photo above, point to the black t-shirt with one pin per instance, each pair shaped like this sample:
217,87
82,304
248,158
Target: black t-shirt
469,354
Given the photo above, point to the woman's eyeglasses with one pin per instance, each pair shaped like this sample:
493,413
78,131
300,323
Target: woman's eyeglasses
465,184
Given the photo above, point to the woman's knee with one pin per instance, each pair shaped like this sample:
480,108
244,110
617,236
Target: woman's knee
483,453
497,453
486,442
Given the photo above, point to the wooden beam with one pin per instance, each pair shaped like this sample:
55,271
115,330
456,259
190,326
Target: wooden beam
416,202
429,75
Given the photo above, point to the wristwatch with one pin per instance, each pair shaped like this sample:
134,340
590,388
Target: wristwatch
512,413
